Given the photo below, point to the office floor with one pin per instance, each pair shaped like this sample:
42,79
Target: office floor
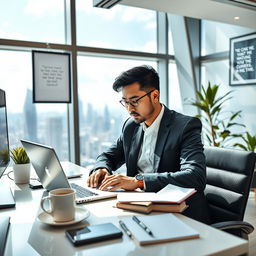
250,216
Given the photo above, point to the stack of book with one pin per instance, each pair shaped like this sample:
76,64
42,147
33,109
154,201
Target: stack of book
170,199
148,207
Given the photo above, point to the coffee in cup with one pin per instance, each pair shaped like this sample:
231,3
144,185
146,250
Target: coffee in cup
62,204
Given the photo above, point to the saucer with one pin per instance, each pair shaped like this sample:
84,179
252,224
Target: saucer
81,214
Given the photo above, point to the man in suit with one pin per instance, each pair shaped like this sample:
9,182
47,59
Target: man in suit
159,146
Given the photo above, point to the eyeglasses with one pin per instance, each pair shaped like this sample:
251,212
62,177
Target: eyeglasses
133,103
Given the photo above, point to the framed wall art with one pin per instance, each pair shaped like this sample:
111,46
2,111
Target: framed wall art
51,77
242,60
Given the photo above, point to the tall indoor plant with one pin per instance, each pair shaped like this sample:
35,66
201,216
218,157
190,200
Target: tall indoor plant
217,122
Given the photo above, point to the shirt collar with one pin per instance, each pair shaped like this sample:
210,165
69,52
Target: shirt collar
156,122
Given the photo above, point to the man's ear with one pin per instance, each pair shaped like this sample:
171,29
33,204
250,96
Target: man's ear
156,95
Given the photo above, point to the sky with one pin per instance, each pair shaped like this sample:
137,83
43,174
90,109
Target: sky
30,20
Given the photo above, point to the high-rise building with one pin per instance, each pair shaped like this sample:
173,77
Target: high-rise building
30,117
54,134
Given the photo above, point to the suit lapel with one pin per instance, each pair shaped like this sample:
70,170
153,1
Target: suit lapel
163,132
134,150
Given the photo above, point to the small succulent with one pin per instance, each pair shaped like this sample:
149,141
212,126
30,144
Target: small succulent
19,156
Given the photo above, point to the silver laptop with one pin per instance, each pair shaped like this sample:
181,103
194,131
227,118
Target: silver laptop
50,172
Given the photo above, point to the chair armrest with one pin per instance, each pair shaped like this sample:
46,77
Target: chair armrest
244,226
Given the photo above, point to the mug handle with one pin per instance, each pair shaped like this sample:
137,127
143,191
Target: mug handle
42,204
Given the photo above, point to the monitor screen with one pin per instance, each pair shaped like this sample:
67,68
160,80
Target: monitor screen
4,142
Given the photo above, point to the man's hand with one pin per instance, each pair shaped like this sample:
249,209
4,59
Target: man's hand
97,177
118,181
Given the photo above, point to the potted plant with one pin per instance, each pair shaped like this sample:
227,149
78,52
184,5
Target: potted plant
21,166
217,122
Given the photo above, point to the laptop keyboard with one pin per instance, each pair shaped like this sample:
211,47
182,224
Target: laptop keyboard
81,191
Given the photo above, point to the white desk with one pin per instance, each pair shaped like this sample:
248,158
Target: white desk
27,236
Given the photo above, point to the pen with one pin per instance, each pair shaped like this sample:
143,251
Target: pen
126,230
141,224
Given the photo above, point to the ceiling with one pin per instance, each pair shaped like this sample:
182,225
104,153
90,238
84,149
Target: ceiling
201,9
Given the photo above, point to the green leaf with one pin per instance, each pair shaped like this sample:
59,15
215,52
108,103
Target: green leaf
200,96
200,106
216,109
235,124
225,134
235,115
19,155
224,97
214,92
240,145
209,140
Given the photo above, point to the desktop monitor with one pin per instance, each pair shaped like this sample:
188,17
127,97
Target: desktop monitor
6,198
4,142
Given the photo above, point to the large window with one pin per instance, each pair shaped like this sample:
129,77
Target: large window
101,116
215,36
174,97
33,20
121,27
43,123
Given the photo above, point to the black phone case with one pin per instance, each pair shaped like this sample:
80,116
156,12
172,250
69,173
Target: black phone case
35,185
94,233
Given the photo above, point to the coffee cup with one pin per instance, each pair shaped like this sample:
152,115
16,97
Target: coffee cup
62,204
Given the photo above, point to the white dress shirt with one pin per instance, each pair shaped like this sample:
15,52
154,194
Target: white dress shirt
146,155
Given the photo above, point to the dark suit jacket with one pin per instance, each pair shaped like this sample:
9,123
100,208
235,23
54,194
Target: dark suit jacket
178,157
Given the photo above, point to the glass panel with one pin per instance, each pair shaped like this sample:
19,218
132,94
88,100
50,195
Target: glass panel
170,42
216,35
33,20
101,116
243,96
43,123
174,96
121,27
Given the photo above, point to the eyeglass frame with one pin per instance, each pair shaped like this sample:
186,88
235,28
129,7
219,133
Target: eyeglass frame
135,103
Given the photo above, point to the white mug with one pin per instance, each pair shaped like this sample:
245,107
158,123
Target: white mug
62,204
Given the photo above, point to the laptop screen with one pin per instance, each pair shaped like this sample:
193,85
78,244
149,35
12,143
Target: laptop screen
4,142
46,165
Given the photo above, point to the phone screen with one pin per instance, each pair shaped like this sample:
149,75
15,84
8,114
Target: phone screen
94,233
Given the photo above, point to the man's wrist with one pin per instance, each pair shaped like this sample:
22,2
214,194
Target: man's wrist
140,181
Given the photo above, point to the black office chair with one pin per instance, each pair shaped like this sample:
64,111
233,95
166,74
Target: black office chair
229,176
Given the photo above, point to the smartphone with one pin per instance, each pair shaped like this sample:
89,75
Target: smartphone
94,233
34,184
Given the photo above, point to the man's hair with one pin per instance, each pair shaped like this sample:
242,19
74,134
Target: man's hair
145,75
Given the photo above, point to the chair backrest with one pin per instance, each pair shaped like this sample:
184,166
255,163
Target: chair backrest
229,176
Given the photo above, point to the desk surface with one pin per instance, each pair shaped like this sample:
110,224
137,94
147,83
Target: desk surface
27,236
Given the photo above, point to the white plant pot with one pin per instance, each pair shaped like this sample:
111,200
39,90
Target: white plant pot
21,173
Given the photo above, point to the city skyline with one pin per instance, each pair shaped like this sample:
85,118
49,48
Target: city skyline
99,128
